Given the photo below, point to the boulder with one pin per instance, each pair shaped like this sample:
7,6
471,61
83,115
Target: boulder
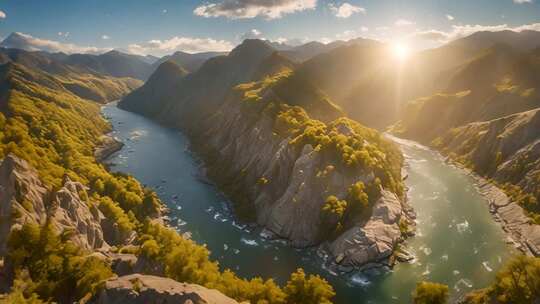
376,239
147,289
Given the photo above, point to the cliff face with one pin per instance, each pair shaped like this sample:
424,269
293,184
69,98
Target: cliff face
25,199
505,149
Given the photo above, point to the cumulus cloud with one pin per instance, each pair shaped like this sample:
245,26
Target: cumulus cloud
242,9
460,31
252,34
522,1
450,17
2,15
346,10
184,44
30,43
403,22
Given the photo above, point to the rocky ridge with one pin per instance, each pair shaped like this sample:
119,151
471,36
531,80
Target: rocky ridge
285,186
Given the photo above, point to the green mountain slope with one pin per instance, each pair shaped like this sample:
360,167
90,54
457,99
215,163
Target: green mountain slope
79,80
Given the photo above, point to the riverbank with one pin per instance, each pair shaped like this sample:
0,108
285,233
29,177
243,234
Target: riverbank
107,147
517,227
521,233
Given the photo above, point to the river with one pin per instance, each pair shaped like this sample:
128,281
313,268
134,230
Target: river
457,242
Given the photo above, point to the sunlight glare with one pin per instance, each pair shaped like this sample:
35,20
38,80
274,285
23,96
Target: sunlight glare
400,51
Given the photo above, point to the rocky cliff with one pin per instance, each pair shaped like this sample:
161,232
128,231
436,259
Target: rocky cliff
284,186
24,199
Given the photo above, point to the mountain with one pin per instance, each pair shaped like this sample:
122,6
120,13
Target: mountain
158,89
113,63
79,80
189,62
209,83
509,85
486,117
274,64
309,50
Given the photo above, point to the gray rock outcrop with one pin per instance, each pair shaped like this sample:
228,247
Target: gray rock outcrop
25,199
376,239
286,185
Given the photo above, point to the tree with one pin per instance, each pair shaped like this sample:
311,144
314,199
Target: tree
311,290
430,293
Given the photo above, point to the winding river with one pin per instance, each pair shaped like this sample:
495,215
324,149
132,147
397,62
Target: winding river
457,242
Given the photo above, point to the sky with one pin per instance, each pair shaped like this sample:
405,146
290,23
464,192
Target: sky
161,27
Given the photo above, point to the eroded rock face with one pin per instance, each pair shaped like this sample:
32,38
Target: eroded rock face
147,289
22,197
69,211
287,185
25,199
376,239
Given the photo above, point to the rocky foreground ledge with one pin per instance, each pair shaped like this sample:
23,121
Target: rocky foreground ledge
147,289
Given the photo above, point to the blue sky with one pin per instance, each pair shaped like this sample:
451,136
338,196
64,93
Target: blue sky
150,26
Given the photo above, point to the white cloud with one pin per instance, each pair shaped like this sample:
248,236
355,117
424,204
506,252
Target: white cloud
450,17
30,43
63,34
364,29
2,15
105,37
252,34
403,22
242,9
346,10
522,1
184,44
460,31
347,35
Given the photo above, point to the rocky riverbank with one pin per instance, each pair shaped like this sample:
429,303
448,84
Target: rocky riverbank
520,232
107,147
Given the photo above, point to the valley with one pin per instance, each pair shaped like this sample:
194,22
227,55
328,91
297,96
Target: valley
352,171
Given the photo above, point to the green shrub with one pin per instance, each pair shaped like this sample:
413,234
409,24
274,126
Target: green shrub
430,293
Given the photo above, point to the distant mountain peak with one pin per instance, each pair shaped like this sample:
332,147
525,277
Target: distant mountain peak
252,45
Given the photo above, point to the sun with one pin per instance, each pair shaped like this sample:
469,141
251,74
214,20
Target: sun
400,51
